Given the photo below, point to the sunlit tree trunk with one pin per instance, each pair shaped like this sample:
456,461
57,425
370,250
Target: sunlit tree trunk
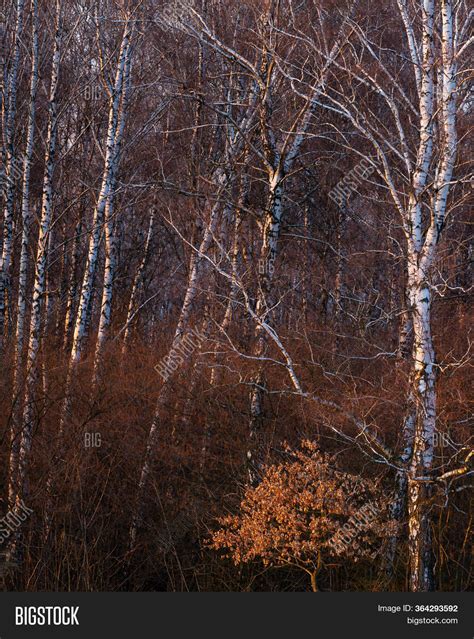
105,192
21,488
421,255
73,284
110,239
22,278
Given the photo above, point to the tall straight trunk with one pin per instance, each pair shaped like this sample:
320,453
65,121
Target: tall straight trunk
11,167
92,256
398,504
421,575
21,487
111,247
421,254
268,254
22,280
105,192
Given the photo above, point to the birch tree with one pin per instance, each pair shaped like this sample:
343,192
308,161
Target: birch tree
19,487
110,240
25,241
280,158
426,163
265,240
11,169
106,190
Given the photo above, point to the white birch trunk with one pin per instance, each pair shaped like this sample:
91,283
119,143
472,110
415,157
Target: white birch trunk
421,254
105,191
110,239
25,214
40,271
11,168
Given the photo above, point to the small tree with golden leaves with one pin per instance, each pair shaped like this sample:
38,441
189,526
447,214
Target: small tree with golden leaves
303,512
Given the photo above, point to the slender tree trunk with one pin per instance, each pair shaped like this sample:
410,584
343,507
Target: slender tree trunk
111,248
73,285
421,254
398,507
268,254
22,280
21,488
138,282
105,191
421,571
11,168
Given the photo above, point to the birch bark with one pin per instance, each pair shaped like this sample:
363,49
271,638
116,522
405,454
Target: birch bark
21,487
422,253
22,279
104,195
110,239
11,168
